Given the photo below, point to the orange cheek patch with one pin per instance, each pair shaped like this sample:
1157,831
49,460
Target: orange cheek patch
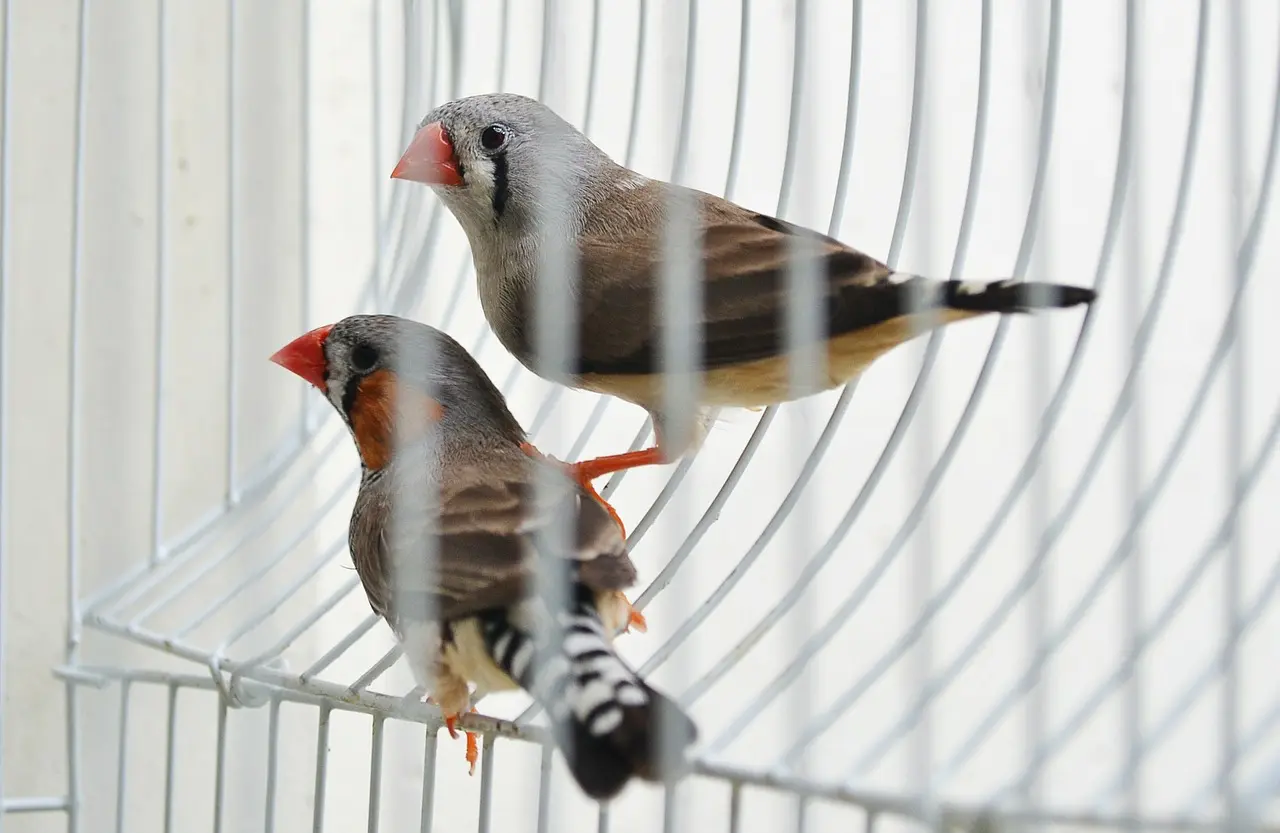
373,415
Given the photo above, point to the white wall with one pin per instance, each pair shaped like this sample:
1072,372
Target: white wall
115,395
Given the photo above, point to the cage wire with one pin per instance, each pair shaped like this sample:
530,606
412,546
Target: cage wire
1020,574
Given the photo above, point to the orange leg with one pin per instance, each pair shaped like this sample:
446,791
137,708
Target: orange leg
584,473
473,749
450,723
600,466
587,470
584,476
608,507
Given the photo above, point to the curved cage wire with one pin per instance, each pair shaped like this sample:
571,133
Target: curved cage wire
1019,573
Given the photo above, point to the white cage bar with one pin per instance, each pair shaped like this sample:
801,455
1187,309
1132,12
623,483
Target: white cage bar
1016,579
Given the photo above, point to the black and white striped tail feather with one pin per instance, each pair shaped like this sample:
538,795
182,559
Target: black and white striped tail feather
607,722
1002,296
859,306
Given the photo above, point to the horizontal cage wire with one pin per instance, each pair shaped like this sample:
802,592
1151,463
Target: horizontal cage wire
1020,572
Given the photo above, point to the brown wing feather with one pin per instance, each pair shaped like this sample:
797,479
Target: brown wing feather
745,256
485,544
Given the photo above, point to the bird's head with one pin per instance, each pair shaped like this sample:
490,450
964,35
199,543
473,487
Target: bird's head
377,369
498,160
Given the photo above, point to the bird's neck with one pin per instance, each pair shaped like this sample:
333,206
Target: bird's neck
434,454
508,269
510,262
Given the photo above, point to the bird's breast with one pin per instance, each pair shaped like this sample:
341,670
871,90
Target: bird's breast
503,284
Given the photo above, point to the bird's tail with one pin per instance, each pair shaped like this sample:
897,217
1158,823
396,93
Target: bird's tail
901,293
609,723
999,296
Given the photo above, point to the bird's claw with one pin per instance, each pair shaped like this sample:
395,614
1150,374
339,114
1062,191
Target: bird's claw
451,724
635,619
473,746
585,483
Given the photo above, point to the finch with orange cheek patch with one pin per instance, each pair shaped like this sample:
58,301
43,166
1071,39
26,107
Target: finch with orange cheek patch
455,576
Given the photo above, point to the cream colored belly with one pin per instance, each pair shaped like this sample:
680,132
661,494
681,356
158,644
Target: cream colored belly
468,658
765,382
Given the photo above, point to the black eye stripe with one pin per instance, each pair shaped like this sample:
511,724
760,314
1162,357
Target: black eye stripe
501,190
349,397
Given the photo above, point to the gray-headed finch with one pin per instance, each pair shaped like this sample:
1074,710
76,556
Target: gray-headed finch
445,538
504,163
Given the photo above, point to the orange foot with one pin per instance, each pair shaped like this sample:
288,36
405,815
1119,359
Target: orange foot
635,619
587,470
473,749
450,723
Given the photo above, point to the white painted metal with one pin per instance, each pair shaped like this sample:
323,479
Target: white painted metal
1049,610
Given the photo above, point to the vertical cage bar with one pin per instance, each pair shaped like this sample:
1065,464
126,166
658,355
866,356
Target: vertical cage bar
925,318
593,64
805,343
1236,380
547,52
544,788
740,97
232,243
486,785
380,278
71,690
375,773
5,193
304,196
680,323
162,275
122,756
273,765
680,276
632,128
735,807
854,82
73,757
555,346
220,766
414,512
670,804
1038,369
1134,457
170,759
322,766
428,780
791,154
802,814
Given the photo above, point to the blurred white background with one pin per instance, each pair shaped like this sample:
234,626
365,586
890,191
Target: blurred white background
231,173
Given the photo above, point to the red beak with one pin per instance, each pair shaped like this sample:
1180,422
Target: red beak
305,355
429,159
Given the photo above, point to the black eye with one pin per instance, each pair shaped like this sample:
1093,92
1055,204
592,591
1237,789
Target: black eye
363,357
493,137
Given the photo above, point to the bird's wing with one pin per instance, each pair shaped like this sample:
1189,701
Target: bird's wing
486,544
745,262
